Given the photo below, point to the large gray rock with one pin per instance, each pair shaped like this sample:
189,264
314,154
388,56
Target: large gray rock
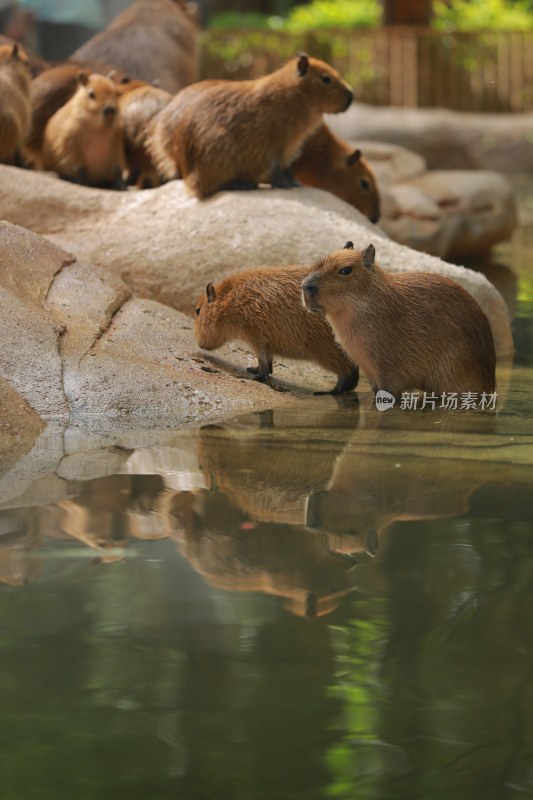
166,245
451,214
445,139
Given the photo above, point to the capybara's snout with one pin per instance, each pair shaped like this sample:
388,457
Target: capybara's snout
349,98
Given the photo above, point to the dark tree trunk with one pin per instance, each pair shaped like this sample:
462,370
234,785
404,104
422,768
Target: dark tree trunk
407,12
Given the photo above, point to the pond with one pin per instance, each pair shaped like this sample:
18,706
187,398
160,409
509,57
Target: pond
321,602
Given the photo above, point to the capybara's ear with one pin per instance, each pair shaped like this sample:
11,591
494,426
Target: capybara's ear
83,78
353,158
111,74
348,246
125,79
15,50
369,253
210,292
303,64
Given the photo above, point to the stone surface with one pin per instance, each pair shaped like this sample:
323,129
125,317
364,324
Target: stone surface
445,139
166,245
450,213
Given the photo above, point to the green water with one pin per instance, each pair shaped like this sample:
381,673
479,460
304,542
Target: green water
321,602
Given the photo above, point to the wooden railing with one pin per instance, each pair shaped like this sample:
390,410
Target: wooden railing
482,71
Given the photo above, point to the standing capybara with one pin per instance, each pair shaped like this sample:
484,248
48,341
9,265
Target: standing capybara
15,81
151,40
49,91
263,308
326,162
137,109
407,331
235,134
83,141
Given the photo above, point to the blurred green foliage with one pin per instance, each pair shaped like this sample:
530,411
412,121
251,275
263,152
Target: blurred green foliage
334,14
471,15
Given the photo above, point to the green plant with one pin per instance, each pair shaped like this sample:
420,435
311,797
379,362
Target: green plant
234,20
334,14
468,15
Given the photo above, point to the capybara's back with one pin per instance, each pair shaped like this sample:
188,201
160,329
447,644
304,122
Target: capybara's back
236,134
263,308
407,331
137,109
326,162
15,81
152,40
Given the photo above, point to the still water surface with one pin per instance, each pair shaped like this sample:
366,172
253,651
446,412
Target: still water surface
322,602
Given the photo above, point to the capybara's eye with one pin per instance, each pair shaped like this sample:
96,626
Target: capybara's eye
364,184
326,78
346,271
91,94
197,311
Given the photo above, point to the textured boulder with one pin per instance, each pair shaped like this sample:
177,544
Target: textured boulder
166,245
451,214
445,139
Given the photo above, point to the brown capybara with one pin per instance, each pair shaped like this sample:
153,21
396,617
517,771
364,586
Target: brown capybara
83,140
51,90
37,64
407,331
236,134
263,308
15,81
150,40
137,109
326,162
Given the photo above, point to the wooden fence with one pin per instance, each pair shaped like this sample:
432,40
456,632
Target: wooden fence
482,71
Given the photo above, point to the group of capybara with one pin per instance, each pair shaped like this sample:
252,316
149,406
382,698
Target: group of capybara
126,110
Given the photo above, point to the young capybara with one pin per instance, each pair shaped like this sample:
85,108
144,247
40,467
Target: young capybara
137,109
235,134
83,141
37,64
51,90
326,162
15,81
263,308
407,331
150,40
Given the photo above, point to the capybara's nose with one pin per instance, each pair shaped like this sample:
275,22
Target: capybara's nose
349,98
310,289
376,213
109,112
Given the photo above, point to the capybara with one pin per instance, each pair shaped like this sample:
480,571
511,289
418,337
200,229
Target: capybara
326,162
150,40
137,109
51,90
83,141
236,134
263,308
407,331
37,64
15,81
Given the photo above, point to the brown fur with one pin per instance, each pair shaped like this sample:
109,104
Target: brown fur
137,109
150,40
262,307
15,81
51,90
326,162
83,143
37,64
407,331
234,134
